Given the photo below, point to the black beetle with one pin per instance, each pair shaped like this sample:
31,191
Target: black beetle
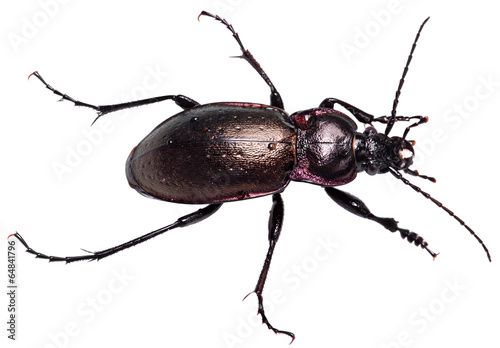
220,152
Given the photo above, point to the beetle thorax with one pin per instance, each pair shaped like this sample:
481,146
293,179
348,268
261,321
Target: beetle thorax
324,147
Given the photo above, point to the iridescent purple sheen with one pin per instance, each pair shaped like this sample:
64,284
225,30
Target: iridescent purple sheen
325,151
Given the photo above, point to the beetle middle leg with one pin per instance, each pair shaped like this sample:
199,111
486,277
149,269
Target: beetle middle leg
275,96
275,224
183,221
181,100
356,206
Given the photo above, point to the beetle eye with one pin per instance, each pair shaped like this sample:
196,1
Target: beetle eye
372,169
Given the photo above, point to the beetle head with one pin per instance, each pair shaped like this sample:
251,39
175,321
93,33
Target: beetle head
379,152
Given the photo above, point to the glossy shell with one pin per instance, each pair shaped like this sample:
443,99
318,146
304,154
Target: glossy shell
215,153
325,147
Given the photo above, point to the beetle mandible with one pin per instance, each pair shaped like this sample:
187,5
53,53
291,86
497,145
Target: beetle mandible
221,152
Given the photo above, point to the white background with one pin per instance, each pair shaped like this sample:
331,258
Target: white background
184,289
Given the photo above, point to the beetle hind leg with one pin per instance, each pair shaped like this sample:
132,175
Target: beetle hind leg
181,100
356,206
275,224
183,221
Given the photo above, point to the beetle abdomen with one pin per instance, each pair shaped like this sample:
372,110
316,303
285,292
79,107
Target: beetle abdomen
214,153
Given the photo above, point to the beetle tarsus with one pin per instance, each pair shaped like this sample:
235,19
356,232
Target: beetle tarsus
62,95
276,99
181,100
261,312
268,324
414,238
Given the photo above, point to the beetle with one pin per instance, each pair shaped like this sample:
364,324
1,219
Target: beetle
230,151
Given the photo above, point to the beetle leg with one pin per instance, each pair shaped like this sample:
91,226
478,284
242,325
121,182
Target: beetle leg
183,221
366,118
275,96
360,115
181,100
356,206
387,120
275,224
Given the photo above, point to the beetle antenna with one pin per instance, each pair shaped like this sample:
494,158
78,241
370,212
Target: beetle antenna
416,173
392,119
400,176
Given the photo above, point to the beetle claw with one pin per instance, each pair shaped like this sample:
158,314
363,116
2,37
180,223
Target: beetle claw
261,312
205,13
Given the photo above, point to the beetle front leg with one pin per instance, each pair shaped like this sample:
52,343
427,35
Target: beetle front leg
181,100
360,115
387,119
275,224
367,118
356,206
183,221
